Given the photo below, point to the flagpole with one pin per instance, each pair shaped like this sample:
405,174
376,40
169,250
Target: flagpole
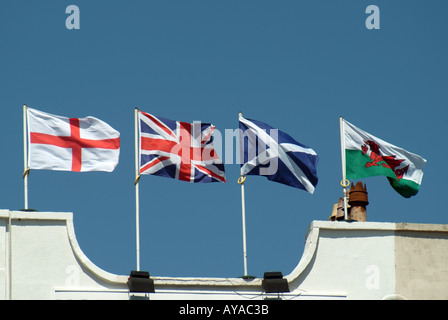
26,170
136,183
241,180
344,182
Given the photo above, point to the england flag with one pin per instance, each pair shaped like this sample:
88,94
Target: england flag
71,144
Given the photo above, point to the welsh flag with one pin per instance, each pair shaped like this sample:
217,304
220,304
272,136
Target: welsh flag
367,156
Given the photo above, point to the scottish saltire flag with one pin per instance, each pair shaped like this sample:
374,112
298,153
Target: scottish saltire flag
272,153
178,150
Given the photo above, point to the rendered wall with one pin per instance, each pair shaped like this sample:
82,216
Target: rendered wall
422,261
3,259
355,260
40,259
39,253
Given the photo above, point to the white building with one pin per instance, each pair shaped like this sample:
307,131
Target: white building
40,259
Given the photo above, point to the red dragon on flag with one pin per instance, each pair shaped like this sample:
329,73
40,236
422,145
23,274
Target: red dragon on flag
376,159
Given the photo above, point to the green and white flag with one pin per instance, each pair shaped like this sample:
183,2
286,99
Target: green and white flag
367,156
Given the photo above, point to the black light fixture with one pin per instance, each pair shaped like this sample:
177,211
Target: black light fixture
140,281
273,281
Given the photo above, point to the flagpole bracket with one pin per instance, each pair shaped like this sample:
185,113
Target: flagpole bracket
26,173
241,179
345,183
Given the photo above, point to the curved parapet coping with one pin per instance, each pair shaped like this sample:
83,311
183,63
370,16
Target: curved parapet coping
164,282
66,218
294,279
82,258
308,254
79,254
158,281
100,274
316,232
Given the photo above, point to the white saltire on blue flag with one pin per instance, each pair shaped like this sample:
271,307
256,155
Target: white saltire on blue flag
272,153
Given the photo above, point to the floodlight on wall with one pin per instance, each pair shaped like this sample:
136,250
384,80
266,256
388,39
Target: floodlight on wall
140,281
273,282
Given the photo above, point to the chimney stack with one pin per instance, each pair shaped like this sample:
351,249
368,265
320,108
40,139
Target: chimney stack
337,213
358,201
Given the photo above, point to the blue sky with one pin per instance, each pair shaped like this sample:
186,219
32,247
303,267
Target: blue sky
296,65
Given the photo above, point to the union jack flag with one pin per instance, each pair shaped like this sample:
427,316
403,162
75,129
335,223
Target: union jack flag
178,150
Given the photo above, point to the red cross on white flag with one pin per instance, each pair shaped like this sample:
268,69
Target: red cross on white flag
71,144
